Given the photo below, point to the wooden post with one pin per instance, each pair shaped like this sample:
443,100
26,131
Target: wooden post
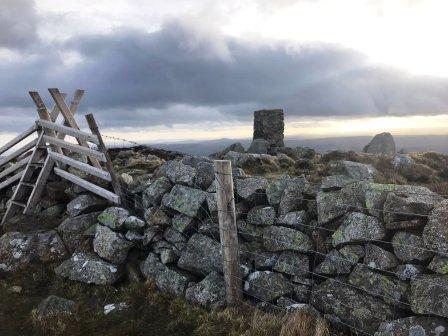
102,147
228,231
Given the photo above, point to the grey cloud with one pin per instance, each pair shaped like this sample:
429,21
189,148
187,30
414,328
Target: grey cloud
18,23
133,78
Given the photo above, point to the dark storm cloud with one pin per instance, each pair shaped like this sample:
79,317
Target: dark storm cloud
177,75
18,23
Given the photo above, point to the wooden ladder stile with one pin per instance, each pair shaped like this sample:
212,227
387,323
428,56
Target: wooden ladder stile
16,200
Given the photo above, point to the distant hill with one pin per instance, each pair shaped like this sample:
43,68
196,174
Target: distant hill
410,143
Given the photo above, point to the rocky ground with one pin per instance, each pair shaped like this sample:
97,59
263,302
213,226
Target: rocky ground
354,239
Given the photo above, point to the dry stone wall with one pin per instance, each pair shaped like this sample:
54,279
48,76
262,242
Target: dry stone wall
372,258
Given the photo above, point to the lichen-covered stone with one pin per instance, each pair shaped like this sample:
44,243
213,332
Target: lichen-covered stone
205,174
250,188
435,233
414,326
275,189
178,173
334,264
429,294
408,271
113,217
358,227
111,245
201,256
387,288
53,307
409,247
439,265
152,196
156,217
412,205
85,204
185,200
134,223
249,232
261,215
72,230
17,251
297,220
88,268
292,198
353,253
166,279
278,238
378,258
382,143
182,222
209,293
293,263
336,182
267,286
50,247
355,170
352,306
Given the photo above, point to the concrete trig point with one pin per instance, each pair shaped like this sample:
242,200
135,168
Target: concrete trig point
270,125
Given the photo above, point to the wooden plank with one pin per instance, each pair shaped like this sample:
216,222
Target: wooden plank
75,148
88,186
55,111
68,131
81,166
18,138
101,146
11,180
22,150
71,122
228,231
39,187
14,167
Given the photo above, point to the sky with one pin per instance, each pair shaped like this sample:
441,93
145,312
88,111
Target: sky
160,70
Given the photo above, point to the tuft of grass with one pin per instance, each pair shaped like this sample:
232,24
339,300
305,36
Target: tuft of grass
304,323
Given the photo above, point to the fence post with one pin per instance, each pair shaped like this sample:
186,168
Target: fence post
102,147
228,231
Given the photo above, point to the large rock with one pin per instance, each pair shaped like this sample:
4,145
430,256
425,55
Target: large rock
50,247
88,268
156,217
72,230
275,189
209,293
178,173
278,238
334,204
409,247
267,286
134,223
53,307
355,170
352,306
84,204
412,205
293,263
152,196
429,294
17,251
205,175
439,265
414,326
261,215
435,233
111,245
201,256
389,289
382,143
336,182
334,264
113,217
166,279
378,258
292,198
259,146
297,220
401,161
358,227
251,188
185,200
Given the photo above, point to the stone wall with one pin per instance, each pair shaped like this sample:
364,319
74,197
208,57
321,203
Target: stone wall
368,257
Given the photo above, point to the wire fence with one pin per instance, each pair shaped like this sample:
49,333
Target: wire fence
400,305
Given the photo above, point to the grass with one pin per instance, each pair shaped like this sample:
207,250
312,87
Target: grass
149,312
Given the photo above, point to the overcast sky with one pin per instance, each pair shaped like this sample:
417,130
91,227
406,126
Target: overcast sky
181,69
